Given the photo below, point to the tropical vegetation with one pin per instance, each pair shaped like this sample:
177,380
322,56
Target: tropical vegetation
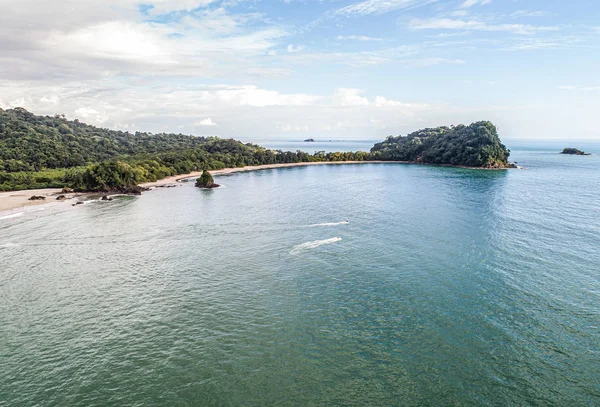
44,151
476,145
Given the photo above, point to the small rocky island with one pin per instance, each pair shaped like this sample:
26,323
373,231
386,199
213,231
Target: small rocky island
574,151
309,140
206,181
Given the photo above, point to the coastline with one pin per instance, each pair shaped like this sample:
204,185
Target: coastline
225,171
12,201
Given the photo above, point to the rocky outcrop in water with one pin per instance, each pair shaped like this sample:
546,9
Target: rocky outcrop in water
206,181
574,151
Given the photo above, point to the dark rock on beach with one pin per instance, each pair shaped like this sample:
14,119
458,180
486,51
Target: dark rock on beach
130,190
37,198
61,198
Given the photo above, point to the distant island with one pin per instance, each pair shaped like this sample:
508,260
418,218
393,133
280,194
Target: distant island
574,151
53,152
309,140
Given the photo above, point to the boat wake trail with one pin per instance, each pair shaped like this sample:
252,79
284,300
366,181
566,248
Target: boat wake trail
311,245
344,222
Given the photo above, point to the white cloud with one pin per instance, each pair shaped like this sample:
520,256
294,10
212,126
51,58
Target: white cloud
114,40
349,97
357,38
471,3
55,100
167,6
297,48
381,101
526,13
88,113
93,38
450,24
380,6
206,122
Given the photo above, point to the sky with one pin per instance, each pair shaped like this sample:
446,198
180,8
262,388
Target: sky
293,69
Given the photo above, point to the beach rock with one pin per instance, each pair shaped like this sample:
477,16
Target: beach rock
78,203
61,198
66,190
131,190
106,198
37,198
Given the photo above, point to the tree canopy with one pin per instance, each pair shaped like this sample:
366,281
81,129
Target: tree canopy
476,145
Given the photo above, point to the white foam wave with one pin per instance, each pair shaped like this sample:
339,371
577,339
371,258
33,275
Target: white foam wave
9,244
344,222
311,245
12,215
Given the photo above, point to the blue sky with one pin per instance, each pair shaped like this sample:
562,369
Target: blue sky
293,68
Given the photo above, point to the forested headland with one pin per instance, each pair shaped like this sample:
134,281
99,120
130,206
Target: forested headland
45,151
476,145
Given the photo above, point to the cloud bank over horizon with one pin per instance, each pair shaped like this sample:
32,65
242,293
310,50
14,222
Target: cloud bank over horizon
290,68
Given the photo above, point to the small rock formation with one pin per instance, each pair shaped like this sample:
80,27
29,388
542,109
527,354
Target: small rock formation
106,198
131,190
310,140
574,151
66,190
61,198
206,181
37,198
78,203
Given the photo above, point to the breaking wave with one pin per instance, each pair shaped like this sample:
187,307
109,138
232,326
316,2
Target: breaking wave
9,244
311,245
12,215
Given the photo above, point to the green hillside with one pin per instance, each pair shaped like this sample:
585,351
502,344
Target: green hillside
476,145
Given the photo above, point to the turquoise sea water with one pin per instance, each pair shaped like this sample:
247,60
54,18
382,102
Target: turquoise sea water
446,287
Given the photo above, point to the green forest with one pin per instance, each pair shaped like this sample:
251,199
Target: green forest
476,145
44,151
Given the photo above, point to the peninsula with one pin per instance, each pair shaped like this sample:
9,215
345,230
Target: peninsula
53,152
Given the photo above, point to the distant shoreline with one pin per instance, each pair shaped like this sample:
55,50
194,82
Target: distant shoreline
12,200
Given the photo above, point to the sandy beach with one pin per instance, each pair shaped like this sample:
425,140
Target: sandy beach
12,201
177,178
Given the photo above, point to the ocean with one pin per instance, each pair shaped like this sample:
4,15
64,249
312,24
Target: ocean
346,285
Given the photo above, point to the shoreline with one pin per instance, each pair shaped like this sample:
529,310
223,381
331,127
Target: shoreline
14,201
178,178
